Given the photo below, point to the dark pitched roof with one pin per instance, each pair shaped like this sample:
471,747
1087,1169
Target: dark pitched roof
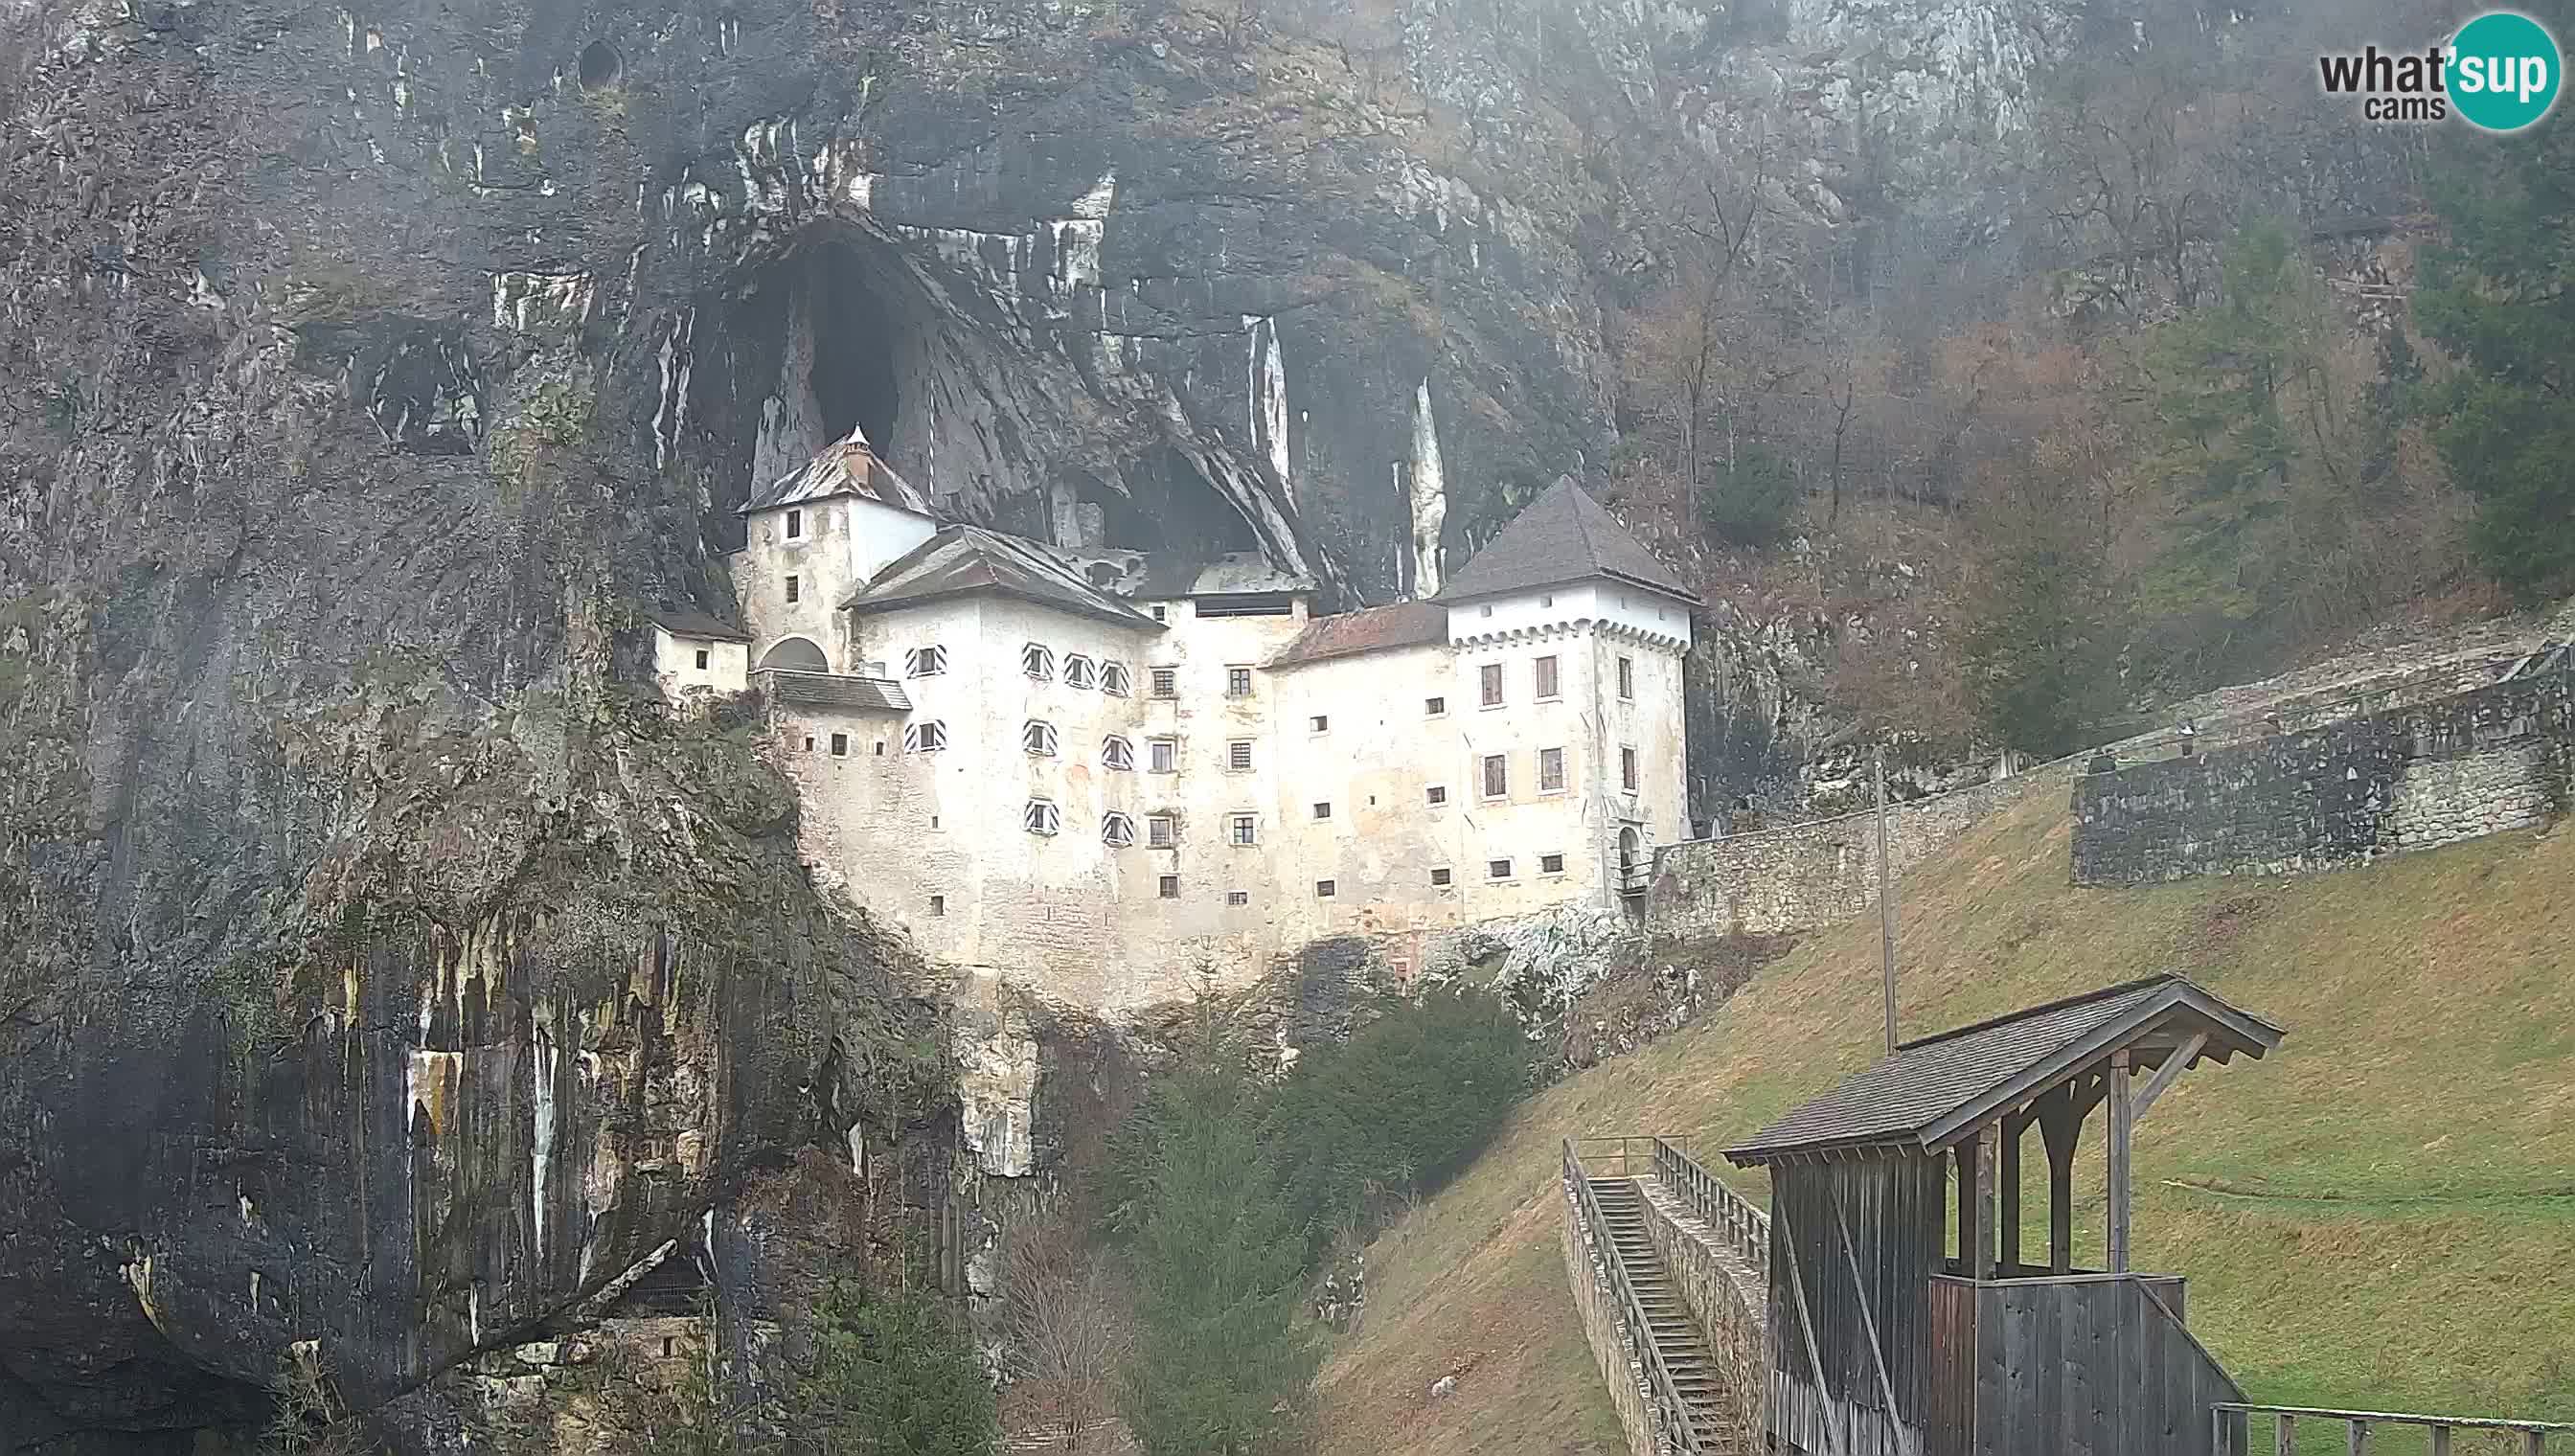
1403,625
848,468
698,623
834,689
1562,535
962,560
1936,1087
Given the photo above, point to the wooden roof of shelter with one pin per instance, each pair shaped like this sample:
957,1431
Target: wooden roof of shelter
1936,1090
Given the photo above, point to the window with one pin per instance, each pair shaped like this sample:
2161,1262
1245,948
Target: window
1627,769
1546,599
1550,864
1440,877
1551,771
1322,810
795,590
1113,679
1117,753
938,905
840,746
702,656
1628,677
1162,613
808,742
1161,831
1039,737
1497,869
925,738
1168,888
1491,675
1163,755
1237,896
927,662
1319,723
1322,890
1247,829
1166,682
1436,794
1041,818
1117,830
1038,661
1078,672
1237,756
1498,776
1485,611
795,524
1548,684
1433,707
1238,681
880,747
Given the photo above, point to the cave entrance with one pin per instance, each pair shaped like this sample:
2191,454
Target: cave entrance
853,378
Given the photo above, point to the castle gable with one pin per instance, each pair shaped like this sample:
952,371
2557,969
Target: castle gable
965,559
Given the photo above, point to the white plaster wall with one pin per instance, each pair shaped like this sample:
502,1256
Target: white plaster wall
674,665
1600,602
847,541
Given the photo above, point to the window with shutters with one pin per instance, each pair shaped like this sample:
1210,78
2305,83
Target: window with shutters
1498,776
925,738
1113,679
1247,829
1041,818
1497,869
1548,684
1238,681
1627,769
1038,660
1166,682
1117,830
1490,675
1117,753
1551,771
1628,677
1161,831
1039,737
927,662
1078,672
1237,756
1163,756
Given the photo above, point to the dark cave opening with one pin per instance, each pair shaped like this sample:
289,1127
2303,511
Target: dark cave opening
854,379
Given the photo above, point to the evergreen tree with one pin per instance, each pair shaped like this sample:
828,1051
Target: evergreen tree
1222,1356
2500,297
893,1375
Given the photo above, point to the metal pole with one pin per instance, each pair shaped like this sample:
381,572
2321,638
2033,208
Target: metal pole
1885,900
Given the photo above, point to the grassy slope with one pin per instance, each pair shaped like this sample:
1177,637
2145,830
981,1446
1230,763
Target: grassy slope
2380,1214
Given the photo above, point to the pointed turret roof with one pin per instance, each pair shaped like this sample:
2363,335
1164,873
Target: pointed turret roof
1562,535
848,466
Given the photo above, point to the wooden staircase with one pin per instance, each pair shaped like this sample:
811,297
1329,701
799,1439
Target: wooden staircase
1675,1328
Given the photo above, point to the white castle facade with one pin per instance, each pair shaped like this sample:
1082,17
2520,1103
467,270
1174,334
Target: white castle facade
1099,774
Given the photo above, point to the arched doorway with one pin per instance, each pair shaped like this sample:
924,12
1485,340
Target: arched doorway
1630,848
796,655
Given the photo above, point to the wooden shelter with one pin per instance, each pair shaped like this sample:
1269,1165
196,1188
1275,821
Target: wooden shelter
1888,1337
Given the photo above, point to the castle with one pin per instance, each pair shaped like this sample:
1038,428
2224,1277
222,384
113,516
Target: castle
1099,773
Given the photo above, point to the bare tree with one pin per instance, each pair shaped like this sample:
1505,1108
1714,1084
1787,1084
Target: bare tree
1069,1327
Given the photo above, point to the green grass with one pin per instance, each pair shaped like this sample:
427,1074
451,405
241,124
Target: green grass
2380,1214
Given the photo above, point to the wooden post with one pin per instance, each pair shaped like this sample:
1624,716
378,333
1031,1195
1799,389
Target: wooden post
1989,1161
2288,1441
2440,1441
2008,1177
2531,1443
2359,1437
2060,1126
2122,1115
1965,1152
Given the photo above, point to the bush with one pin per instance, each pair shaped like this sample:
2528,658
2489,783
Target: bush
892,1373
1751,501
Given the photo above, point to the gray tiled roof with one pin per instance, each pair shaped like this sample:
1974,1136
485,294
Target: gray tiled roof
1928,1084
966,559
849,468
835,690
1562,535
699,624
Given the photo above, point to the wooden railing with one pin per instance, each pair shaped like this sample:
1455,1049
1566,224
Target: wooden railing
1673,1411
1743,1225
2234,1428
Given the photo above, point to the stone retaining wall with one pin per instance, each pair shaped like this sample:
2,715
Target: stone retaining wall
1597,1305
1730,1303
2478,762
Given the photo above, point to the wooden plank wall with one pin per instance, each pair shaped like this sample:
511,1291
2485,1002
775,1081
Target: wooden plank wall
1895,1216
2097,1366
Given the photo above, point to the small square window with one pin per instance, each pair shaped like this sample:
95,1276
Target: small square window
1435,794
1320,722
1247,829
1490,676
1440,877
1322,810
1498,776
880,747
1550,684
1433,707
1161,831
1551,771
1162,613
925,738
1550,864
1163,755
704,657
1041,818
1627,769
795,590
1237,896
1546,599
795,524
1485,611
1166,682
1168,887
937,905
1238,681
927,662
1117,753
1113,679
1497,869
1038,660
1322,890
1237,756
808,742
840,746
1628,677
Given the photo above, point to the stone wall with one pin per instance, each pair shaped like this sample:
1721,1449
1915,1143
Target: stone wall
1806,877
1597,1304
2478,762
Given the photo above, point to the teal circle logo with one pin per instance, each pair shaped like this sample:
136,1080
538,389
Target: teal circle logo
2504,71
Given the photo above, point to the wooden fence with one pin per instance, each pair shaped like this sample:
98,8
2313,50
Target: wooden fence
1670,1411
1744,1227
2235,1424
